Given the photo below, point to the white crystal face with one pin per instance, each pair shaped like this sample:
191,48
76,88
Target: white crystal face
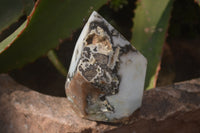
106,76
132,72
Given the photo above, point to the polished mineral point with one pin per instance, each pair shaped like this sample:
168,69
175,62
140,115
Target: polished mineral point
106,76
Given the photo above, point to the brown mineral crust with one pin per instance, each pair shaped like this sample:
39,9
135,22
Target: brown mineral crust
94,39
78,90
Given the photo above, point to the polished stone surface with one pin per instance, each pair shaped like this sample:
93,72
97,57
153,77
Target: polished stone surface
106,76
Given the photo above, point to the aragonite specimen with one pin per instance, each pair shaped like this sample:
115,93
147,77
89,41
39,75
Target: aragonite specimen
106,76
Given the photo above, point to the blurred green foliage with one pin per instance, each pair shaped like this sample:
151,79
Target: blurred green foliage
53,21
12,10
50,22
149,33
118,4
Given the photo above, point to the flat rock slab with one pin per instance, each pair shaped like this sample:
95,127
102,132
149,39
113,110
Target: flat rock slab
171,109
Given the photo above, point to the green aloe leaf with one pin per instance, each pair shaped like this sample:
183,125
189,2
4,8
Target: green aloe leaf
50,22
198,1
12,10
149,32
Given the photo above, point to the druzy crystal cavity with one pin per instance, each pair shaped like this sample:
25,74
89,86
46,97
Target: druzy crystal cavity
106,77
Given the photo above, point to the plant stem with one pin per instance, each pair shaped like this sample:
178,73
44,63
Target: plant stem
56,62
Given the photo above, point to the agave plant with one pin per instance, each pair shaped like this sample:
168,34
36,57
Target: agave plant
29,30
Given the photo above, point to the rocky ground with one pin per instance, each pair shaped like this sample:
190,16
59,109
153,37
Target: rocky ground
173,109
